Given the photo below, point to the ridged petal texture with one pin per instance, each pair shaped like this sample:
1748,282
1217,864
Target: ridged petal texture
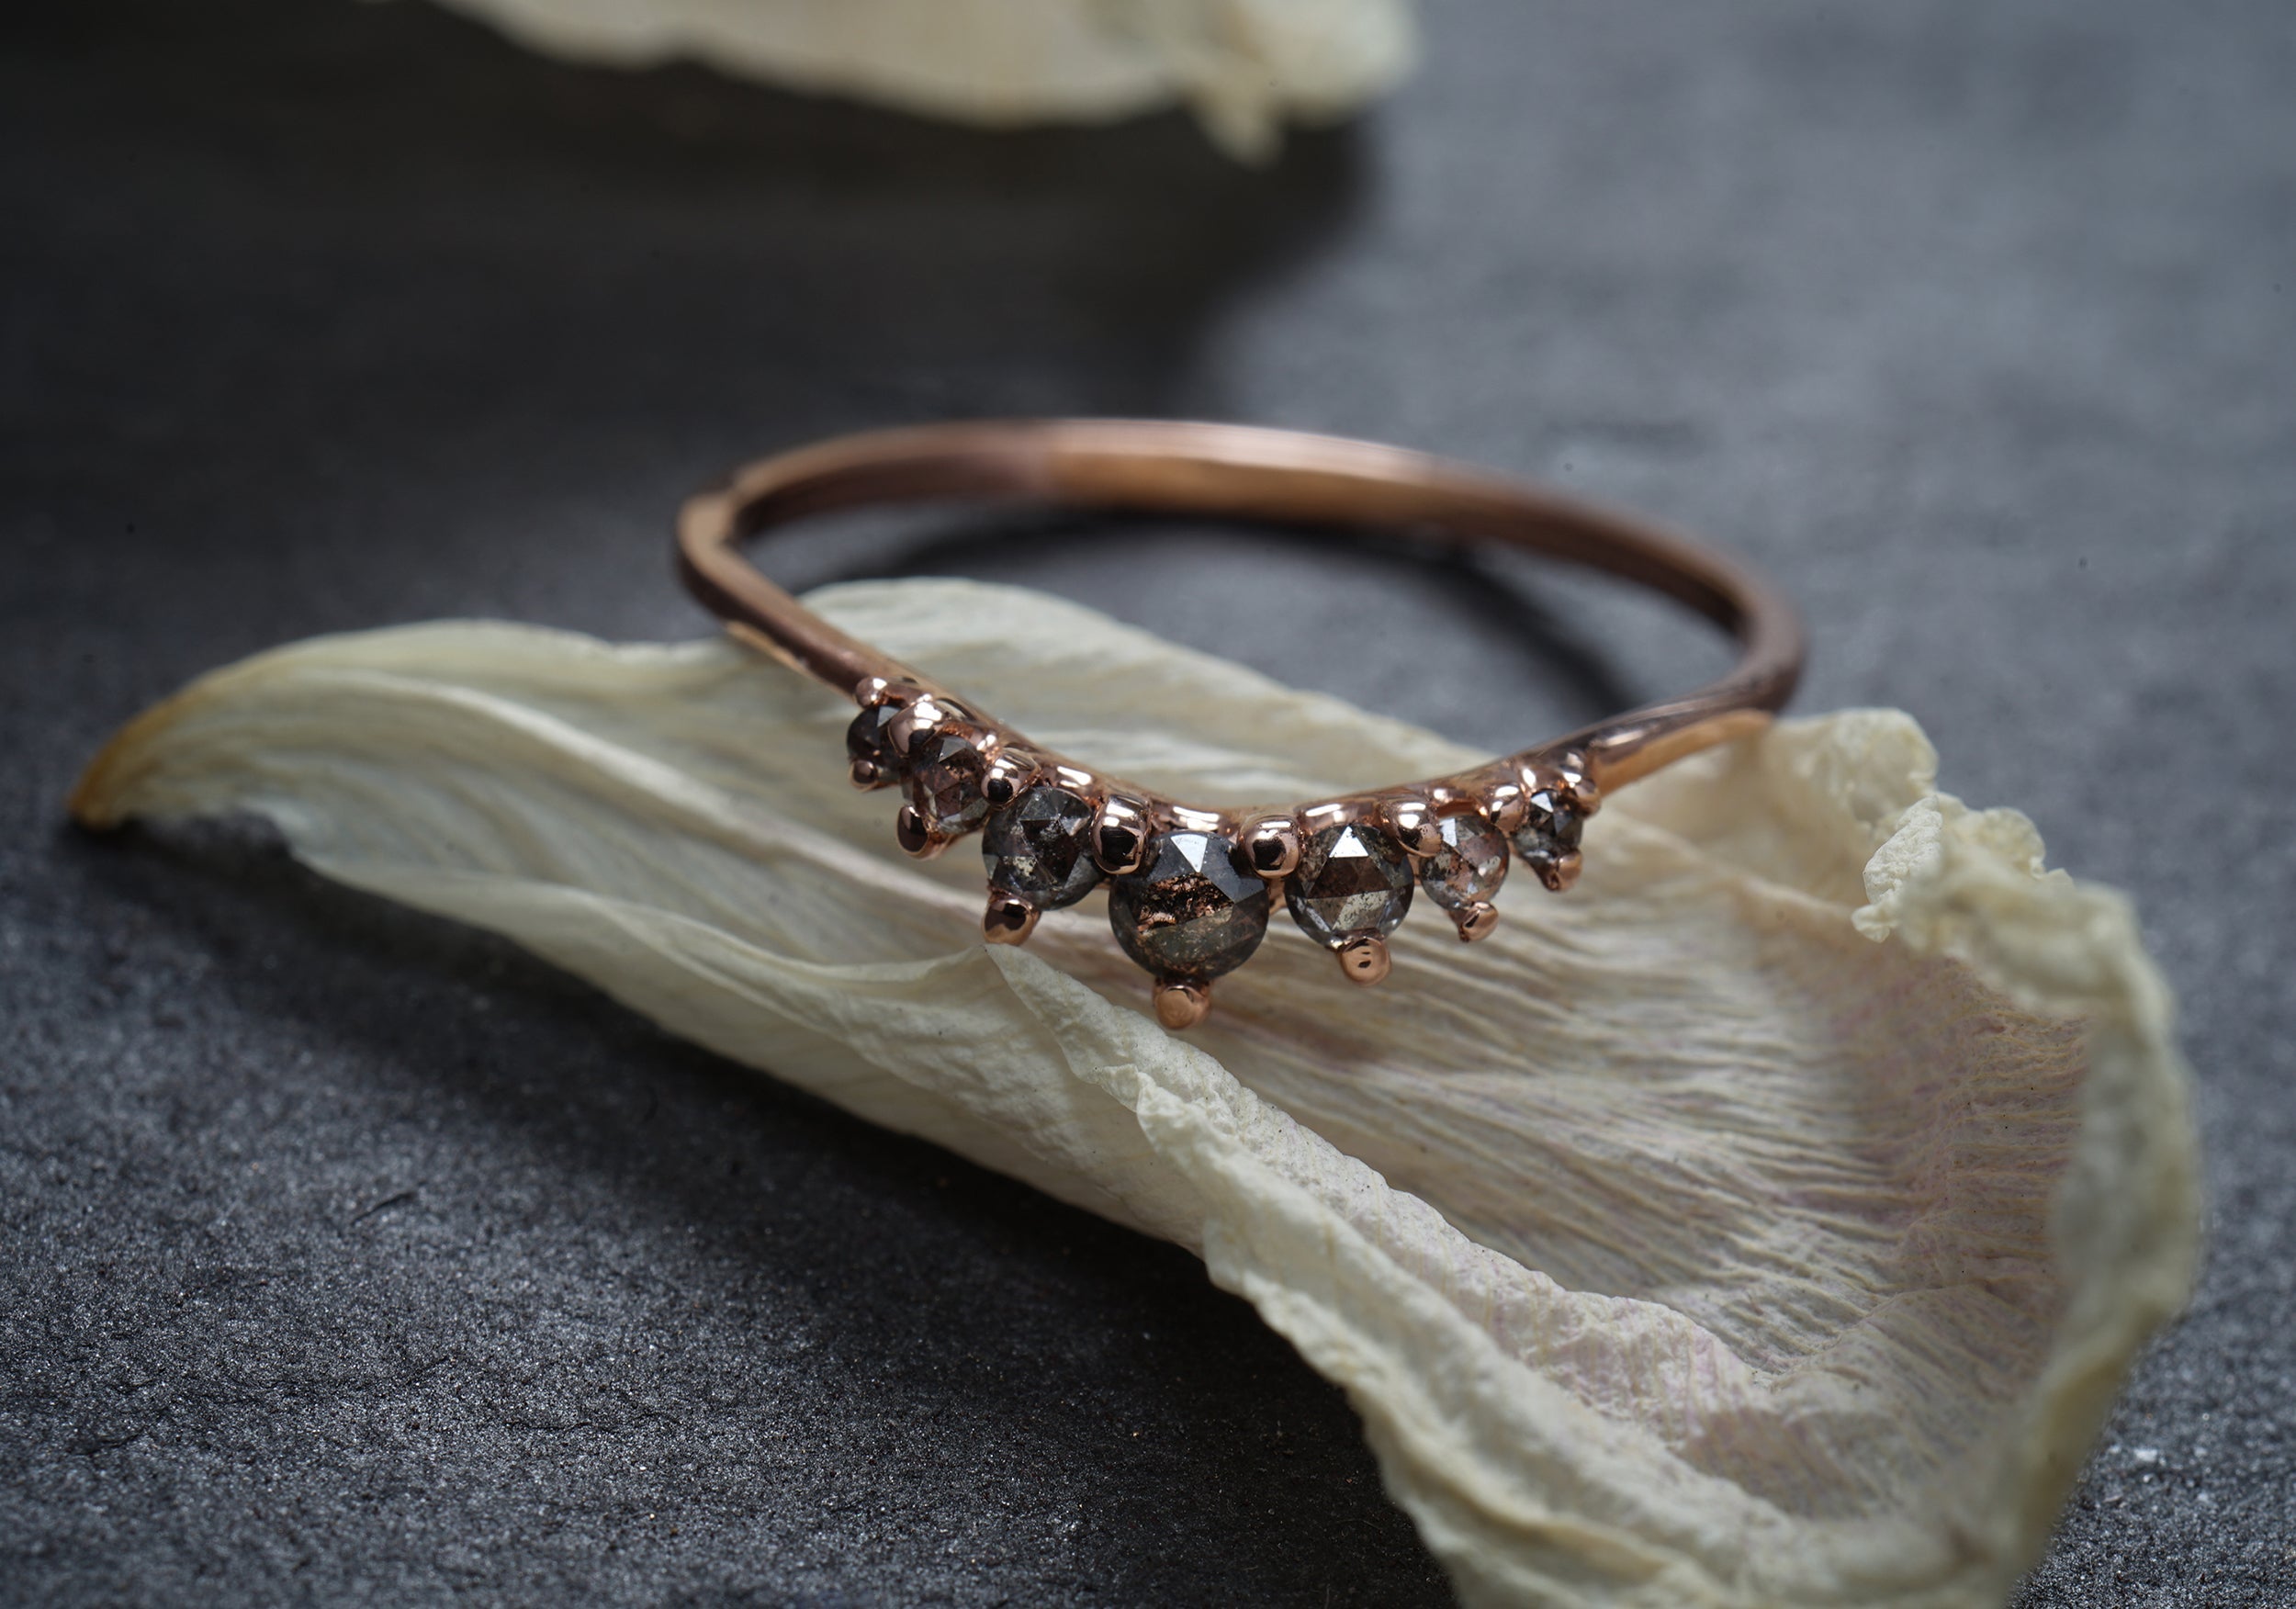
1246,66
1768,1222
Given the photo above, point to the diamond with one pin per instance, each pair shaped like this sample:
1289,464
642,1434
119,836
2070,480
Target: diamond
1190,912
945,770
1548,839
1352,879
868,743
1551,824
1468,867
1040,846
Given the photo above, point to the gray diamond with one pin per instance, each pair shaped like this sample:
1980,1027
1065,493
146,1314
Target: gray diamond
1040,846
1470,866
866,738
1551,824
944,778
1190,911
1351,879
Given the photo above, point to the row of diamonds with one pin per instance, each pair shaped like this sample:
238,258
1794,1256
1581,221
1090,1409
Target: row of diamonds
1189,902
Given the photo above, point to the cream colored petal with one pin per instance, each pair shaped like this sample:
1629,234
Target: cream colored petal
1769,1222
1246,66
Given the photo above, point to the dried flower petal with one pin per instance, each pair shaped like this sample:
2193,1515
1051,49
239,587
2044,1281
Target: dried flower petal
1768,1222
1246,66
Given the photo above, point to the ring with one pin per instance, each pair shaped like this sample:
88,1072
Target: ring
1191,889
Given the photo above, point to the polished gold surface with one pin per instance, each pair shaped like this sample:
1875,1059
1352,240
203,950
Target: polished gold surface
1010,919
1561,872
1272,846
1364,958
1008,777
1119,834
911,833
1411,822
1181,1004
1478,920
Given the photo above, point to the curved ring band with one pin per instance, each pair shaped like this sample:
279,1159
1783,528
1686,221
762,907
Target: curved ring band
1190,890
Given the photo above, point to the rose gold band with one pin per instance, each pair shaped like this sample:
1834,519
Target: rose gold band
1236,472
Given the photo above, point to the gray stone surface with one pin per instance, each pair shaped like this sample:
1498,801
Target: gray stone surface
346,1255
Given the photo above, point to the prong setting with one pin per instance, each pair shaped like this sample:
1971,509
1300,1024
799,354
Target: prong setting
914,836
870,692
1007,777
1181,1004
1364,958
923,716
1476,920
1558,872
1119,835
1574,773
1271,847
1010,919
1504,805
1411,822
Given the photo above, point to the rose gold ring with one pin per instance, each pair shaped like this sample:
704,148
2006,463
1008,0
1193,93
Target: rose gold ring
1190,890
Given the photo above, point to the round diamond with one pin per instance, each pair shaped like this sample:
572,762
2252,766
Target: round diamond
945,771
1190,911
1352,879
866,738
1470,866
1551,824
1040,846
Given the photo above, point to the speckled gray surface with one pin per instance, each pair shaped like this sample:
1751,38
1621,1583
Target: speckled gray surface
349,1256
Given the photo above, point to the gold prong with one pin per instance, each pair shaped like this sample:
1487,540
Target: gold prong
1476,920
923,714
1364,958
1505,804
1574,774
1558,871
1010,919
1271,847
1411,822
1007,777
910,831
871,691
1181,1004
1119,835
867,774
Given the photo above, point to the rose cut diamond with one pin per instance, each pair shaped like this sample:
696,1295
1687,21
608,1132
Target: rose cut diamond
867,741
1039,848
1351,880
1468,867
1549,833
1190,912
945,770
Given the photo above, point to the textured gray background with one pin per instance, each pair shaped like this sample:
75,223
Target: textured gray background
345,1254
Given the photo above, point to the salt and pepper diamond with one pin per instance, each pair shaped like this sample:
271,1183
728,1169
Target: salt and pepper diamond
1548,839
1352,881
1191,912
1038,848
1466,870
869,746
944,769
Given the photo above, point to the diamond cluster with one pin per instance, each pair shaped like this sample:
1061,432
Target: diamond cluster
1190,893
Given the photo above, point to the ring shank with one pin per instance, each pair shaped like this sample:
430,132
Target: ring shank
1237,472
